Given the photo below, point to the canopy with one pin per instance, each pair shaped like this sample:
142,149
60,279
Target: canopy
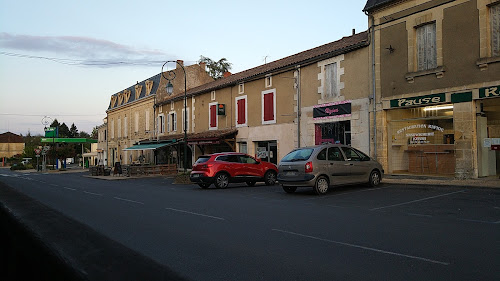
148,146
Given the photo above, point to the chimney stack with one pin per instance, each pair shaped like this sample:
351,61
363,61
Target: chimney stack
227,74
353,31
181,62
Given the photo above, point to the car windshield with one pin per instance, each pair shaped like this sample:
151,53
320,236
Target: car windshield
298,155
202,159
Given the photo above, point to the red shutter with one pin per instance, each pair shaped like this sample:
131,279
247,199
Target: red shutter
269,107
213,116
241,112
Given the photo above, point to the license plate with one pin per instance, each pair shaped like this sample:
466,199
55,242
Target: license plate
290,173
195,175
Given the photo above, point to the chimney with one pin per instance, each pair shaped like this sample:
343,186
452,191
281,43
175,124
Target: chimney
227,74
353,31
203,65
180,62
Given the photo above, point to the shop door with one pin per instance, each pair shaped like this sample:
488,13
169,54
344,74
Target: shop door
268,151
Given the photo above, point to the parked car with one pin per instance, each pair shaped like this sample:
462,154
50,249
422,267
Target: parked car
223,168
321,166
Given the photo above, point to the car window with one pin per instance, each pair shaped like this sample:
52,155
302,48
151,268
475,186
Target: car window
247,159
227,158
322,155
334,154
202,159
351,154
364,157
298,155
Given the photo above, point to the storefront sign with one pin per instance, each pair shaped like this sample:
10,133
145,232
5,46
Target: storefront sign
203,142
418,101
221,109
332,110
420,126
489,92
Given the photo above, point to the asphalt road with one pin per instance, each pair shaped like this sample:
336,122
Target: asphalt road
392,232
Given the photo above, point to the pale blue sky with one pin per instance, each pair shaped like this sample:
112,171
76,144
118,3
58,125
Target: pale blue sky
65,59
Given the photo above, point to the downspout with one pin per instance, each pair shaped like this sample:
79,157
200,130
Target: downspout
297,85
374,90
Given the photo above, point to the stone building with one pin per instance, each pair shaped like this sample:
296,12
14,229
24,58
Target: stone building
11,145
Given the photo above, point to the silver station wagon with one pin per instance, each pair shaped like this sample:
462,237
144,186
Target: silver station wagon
326,165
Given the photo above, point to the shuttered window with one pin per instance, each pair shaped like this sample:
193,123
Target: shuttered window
213,116
331,83
268,107
426,47
495,29
241,111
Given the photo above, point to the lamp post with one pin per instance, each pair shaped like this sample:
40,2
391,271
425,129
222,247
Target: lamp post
170,89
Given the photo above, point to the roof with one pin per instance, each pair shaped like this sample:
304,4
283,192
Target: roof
342,46
372,4
142,86
11,138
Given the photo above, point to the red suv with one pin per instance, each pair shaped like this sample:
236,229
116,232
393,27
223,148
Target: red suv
223,168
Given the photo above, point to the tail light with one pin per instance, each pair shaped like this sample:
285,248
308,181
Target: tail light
206,166
309,167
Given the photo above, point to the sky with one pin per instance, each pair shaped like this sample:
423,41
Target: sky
64,59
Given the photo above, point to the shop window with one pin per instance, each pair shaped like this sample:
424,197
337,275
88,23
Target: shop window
212,116
426,47
335,132
241,111
269,107
495,29
243,147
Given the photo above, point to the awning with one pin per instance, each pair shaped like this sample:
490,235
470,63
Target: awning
148,146
90,154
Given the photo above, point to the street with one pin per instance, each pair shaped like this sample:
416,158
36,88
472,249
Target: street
391,232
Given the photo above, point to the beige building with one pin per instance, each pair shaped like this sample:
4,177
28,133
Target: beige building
436,72
319,95
11,145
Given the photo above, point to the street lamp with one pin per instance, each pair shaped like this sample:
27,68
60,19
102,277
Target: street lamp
170,89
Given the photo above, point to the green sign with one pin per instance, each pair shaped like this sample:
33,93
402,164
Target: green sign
419,101
221,109
461,97
489,92
69,140
51,132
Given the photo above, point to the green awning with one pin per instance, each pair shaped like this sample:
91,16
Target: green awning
68,140
148,146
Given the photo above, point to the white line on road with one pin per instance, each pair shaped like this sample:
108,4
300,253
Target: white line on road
363,247
88,192
423,199
69,188
128,200
53,184
196,214
346,193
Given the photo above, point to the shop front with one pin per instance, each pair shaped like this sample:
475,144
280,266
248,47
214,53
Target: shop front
421,140
329,126
488,131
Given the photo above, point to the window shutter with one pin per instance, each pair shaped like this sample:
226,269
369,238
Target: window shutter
431,55
495,30
168,124
268,107
421,48
331,80
213,116
241,111
174,116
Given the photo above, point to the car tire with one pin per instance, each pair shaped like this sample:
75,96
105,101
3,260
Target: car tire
204,185
221,180
270,178
374,178
250,183
321,186
289,189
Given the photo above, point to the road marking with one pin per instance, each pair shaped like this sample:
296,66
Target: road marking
414,201
419,215
88,192
196,214
53,184
345,193
363,247
128,200
480,221
69,188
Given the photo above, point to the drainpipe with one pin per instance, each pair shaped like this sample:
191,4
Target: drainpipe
374,90
297,85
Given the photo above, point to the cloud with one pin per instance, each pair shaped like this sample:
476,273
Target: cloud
83,50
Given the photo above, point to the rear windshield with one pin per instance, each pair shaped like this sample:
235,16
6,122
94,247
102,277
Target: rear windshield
298,155
202,159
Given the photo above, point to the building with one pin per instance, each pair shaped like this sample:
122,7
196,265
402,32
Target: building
437,95
102,143
319,95
11,145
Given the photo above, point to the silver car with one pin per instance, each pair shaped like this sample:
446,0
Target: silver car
321,166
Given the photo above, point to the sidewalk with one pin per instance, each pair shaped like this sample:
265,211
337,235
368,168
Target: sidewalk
490,182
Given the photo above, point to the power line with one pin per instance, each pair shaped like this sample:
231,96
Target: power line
42,115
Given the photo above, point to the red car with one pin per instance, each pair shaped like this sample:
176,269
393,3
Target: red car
223,168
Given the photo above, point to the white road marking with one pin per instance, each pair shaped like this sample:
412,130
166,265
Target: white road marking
346,193
419,215
69,188
480,221
196,214
128,200
364,248
53,184
88,192
423,199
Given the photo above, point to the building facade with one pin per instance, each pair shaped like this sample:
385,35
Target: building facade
437,95
11,145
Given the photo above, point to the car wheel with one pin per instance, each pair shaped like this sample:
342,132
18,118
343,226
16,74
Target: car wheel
221,180
321,186
204,185
289,189
374,178
250,183
270,178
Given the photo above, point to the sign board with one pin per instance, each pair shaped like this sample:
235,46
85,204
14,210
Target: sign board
419,101
495,147
221,109
37,151
332,110
489,92
51,132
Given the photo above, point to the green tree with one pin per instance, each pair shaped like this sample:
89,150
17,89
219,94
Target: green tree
64,131
73,131
216,69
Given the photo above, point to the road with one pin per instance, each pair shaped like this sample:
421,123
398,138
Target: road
392,232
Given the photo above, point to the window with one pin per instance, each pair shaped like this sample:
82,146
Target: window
331,83
426,47
495,29
119,128
172,105
147,120
245,159
351,154
212,95
269,81
334,154
268,107
172,122
241,88
125,126
243,147
184,116
161,123
212,116
105,135
322,155
112,129
241,111
136,122
228,158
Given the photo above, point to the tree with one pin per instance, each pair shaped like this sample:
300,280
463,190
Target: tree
95,133
216,69
73,131
64,131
